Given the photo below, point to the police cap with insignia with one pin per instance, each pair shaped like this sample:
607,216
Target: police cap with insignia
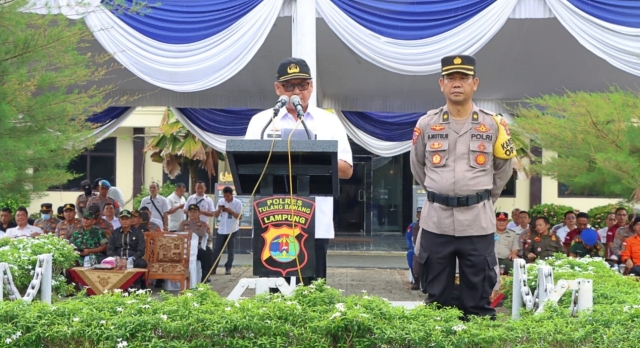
69,206
46,207
194,207
462,64
293,68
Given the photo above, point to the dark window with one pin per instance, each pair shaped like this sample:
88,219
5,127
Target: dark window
97,162
509,189
566,191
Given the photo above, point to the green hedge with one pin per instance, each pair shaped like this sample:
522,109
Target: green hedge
319,316
598,215
553,212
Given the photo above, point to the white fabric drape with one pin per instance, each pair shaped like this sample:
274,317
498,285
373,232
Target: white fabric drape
106,129
182,68
618,45
218,142
416,57
72,9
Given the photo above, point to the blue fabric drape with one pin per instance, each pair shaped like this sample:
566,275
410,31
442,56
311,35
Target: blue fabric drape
620,12
411,19
387,126
109,114
183,21
227,122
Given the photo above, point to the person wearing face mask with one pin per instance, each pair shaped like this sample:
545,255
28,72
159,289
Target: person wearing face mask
81,201
47,222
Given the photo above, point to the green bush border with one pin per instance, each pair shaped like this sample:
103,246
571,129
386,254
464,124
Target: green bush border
319,316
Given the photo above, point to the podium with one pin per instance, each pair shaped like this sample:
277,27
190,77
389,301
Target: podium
314,167
281,240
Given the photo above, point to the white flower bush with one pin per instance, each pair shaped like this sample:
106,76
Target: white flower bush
22,255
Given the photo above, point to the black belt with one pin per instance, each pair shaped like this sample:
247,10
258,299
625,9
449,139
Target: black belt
458,201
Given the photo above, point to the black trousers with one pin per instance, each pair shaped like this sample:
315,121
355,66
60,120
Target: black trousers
217,249
321,248
477,261
205,256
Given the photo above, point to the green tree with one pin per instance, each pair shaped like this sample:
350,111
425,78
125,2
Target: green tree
176,147
49,84
595,135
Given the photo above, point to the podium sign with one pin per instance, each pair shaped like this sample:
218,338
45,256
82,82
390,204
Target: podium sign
279,237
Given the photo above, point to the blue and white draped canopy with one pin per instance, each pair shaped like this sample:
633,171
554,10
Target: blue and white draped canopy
223,53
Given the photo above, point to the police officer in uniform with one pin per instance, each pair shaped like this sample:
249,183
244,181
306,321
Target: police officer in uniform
81,201
201,229
47,221
461,155
70,224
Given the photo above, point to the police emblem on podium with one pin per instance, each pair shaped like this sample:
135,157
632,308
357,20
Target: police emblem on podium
282,242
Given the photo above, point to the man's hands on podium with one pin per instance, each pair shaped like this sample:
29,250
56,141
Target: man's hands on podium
345,170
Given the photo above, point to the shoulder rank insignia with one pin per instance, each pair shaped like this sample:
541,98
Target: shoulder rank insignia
416,133
482,128
553,237
437,127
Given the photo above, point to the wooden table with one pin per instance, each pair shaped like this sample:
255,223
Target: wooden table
98,281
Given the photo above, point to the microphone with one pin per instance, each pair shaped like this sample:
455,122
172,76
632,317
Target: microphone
295,101
282,101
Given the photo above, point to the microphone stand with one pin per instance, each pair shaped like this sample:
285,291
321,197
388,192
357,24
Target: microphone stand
275,113
304,125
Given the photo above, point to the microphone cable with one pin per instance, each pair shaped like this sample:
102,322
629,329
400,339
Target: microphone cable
250,201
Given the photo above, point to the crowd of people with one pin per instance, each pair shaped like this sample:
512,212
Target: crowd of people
535,238
97,226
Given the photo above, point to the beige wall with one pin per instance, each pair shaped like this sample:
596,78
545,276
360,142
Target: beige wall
142,118
550,193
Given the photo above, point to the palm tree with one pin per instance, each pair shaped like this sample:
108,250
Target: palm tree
175,147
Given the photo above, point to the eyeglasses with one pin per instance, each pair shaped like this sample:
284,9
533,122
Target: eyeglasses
289,87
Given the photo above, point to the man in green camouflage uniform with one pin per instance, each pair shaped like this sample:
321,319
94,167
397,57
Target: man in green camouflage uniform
89,240
99,222
48,221
586,244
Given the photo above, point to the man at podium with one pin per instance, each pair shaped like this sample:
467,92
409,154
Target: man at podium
293,78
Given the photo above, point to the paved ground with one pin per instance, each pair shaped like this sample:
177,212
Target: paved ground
383,274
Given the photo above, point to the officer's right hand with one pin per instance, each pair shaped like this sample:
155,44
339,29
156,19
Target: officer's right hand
629,263
531,256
